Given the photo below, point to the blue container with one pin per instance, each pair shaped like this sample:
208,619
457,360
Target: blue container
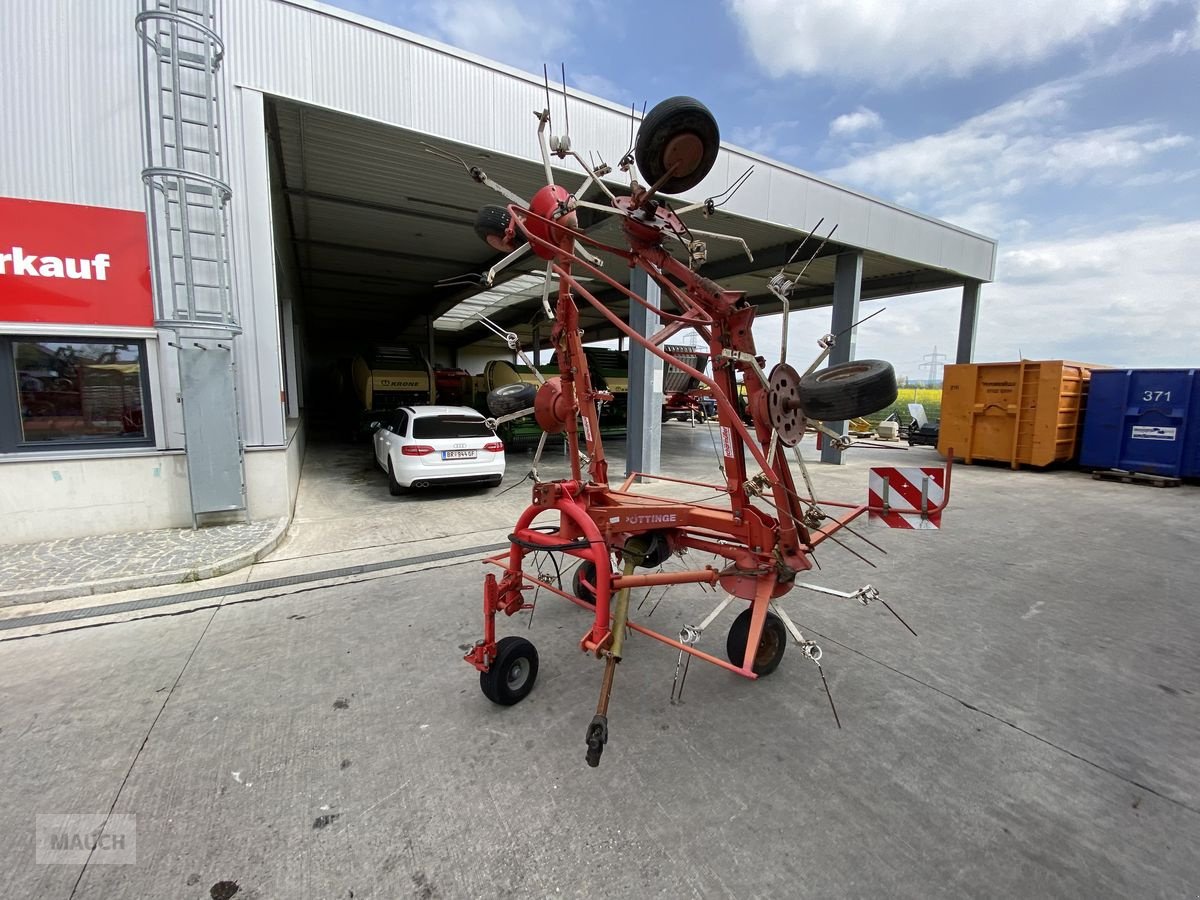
1143,420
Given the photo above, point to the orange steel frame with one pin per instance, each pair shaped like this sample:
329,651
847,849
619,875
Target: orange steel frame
762,553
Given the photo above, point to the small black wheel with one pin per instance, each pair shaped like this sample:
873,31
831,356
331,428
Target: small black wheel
770,646
586,571
679,132
510,398
510,677
394,487
493,221
848,390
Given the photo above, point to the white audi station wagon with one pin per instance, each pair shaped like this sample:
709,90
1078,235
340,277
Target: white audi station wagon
424,446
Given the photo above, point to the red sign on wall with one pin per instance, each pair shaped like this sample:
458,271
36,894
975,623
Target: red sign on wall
73,265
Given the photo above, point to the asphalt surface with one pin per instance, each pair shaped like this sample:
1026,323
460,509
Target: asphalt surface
1041,736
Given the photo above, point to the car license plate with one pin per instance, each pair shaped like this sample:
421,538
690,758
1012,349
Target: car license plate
458,454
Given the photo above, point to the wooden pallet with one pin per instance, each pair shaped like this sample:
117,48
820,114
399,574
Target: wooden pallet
1136,478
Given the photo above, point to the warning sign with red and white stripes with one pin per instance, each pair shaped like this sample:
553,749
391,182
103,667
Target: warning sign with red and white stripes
897,496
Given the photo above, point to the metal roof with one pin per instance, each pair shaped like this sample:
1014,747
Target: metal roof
376,221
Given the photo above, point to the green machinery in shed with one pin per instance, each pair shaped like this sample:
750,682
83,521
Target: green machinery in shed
386,377
609,371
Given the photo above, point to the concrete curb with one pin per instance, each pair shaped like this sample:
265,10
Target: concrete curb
248,557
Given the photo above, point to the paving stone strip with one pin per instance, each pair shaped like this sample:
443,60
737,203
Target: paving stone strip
85,560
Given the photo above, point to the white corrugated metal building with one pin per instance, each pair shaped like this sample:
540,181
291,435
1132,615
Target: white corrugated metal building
340,224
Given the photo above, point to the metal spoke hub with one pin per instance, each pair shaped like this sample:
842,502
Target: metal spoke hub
783,405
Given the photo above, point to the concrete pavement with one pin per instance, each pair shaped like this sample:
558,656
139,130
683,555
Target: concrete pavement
323,737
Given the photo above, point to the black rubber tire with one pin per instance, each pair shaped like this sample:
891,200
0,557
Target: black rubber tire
848,390
770,646
512,674
511,398
586,570
668,120
494,221
394,487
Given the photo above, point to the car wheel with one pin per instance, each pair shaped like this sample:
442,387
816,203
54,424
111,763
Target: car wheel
394,487
511,676
848,390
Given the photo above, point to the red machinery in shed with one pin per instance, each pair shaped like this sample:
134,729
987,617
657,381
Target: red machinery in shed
766,528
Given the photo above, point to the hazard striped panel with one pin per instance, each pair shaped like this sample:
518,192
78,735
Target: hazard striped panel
894,496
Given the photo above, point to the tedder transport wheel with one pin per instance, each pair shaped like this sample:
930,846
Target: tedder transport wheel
493,221
586,571
510,398
848,390
679,132
510,677
770,646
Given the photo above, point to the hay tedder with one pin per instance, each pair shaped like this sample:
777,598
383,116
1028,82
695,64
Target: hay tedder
763,532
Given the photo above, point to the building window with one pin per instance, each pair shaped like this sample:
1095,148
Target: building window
62,393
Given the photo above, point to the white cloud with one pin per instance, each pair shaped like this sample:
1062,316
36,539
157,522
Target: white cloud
1004,151
502,29
1126,298
772,139
888,41
597,85
862,119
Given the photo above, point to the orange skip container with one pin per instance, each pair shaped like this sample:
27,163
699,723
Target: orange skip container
1022,413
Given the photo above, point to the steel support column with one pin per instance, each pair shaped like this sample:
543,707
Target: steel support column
847,288
644,425
968,321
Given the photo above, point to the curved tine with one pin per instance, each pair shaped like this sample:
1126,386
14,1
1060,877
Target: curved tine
566,111
477,174
860,321
455,280
800,274
710,204
445,154
800,246
728,193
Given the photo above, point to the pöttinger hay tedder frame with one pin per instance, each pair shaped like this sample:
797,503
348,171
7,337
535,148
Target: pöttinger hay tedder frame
764,531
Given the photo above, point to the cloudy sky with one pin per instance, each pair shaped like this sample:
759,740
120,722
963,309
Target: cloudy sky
1067,130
